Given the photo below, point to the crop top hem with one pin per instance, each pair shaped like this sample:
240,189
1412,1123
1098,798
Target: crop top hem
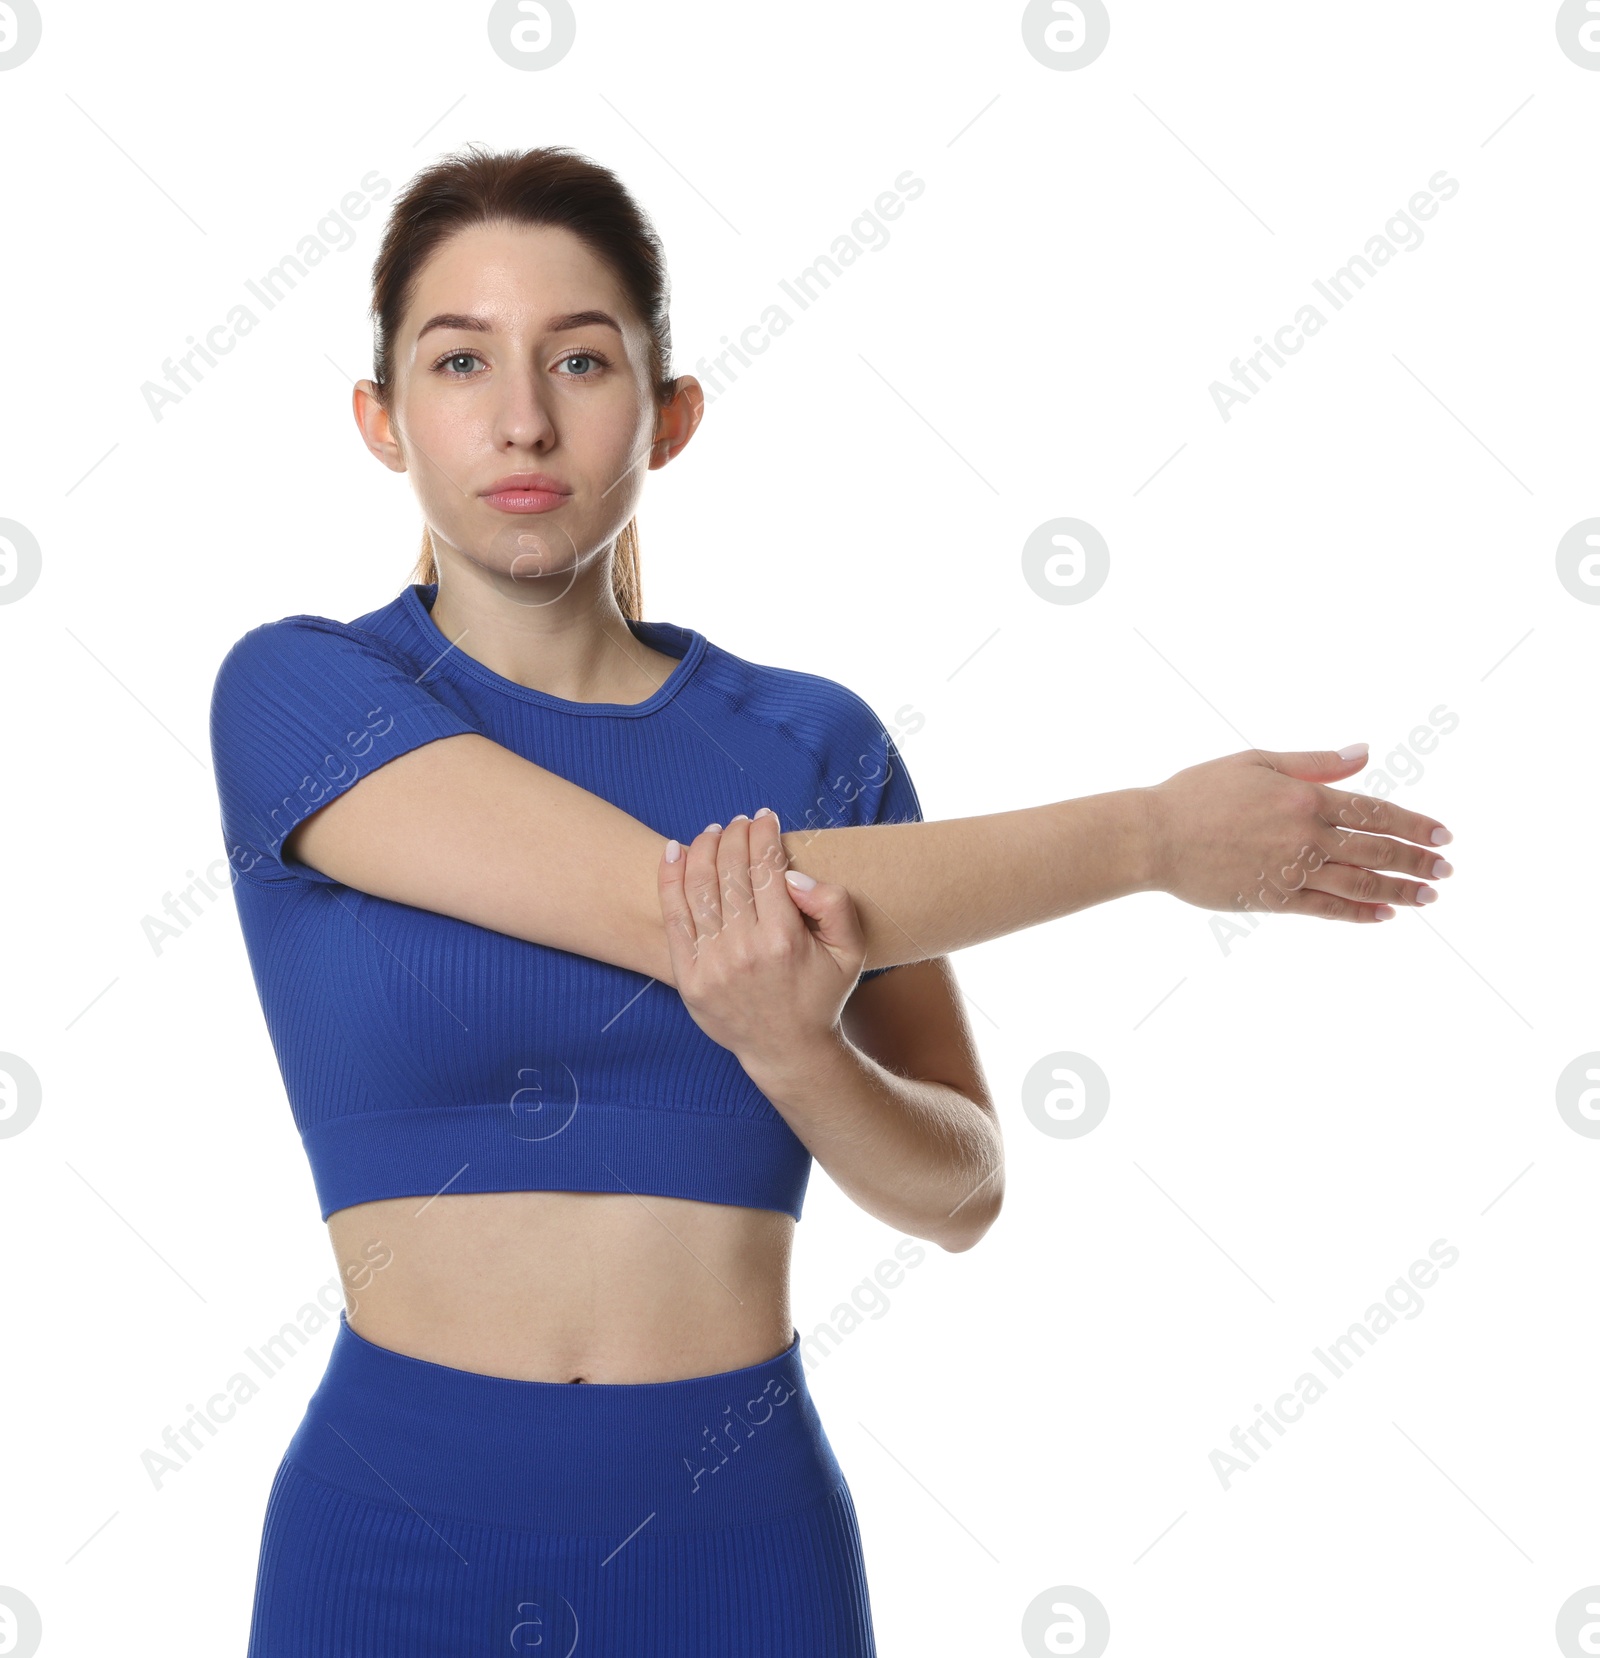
564,1147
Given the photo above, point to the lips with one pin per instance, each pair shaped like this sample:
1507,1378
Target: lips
527,492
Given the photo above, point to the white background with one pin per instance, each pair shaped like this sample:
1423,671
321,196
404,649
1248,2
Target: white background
1294,1119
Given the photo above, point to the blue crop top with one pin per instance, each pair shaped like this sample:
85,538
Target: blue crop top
423,1054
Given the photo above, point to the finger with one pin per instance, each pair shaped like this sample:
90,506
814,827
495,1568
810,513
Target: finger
1366,888
701,884
1326,906
733,875
1380,817
676,915
1312,765
1380,853
768,861
838,922
1315,871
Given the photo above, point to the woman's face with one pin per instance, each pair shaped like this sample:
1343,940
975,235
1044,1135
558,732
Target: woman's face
520,354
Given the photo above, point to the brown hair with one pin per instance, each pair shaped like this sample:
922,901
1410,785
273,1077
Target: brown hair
550,186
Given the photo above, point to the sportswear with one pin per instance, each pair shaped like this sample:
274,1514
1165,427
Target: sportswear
423,1511
422,1053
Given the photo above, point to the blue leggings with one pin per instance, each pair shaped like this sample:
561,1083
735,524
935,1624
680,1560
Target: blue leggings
422,1510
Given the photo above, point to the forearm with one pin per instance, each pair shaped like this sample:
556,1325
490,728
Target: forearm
926,889
917,1155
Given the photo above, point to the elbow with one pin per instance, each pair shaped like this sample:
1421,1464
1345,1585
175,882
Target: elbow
969,1223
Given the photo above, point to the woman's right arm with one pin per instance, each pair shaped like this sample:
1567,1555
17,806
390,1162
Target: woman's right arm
466,828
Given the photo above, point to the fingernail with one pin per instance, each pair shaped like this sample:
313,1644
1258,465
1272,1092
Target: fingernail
1442,837
710,826
673,849
1384,912
766,811
798,878
1353,751
1441,869
738,817
1426,895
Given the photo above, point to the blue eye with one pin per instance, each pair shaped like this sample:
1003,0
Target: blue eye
594,358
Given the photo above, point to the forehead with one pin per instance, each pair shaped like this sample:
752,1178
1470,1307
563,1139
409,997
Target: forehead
515,276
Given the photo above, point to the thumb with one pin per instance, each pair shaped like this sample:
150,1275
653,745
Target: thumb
1314,765
831,907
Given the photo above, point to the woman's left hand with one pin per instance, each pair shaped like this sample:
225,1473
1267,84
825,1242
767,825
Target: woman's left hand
755,977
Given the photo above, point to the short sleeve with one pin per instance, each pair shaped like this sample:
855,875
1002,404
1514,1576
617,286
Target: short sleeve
301,709
871,781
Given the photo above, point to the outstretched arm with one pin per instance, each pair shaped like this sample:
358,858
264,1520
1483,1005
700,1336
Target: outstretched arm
465,827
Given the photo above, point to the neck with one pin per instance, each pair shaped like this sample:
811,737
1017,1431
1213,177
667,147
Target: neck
577,646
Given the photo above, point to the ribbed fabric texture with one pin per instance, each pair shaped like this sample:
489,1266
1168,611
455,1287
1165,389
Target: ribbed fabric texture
423,1511
420,1052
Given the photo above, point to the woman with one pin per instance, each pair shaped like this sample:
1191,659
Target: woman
560,1083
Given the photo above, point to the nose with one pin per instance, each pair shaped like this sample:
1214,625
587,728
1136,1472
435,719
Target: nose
522,417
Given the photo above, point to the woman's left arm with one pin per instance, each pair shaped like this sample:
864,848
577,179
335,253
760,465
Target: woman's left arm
880,1078
896,1108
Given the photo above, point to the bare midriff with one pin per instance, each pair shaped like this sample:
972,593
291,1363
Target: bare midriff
568,1286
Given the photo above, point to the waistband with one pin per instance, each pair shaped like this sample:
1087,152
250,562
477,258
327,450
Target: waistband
589,1457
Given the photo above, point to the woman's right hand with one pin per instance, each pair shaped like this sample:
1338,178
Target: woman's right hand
1260,830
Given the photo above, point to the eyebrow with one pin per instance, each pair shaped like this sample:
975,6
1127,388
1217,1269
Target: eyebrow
556,325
